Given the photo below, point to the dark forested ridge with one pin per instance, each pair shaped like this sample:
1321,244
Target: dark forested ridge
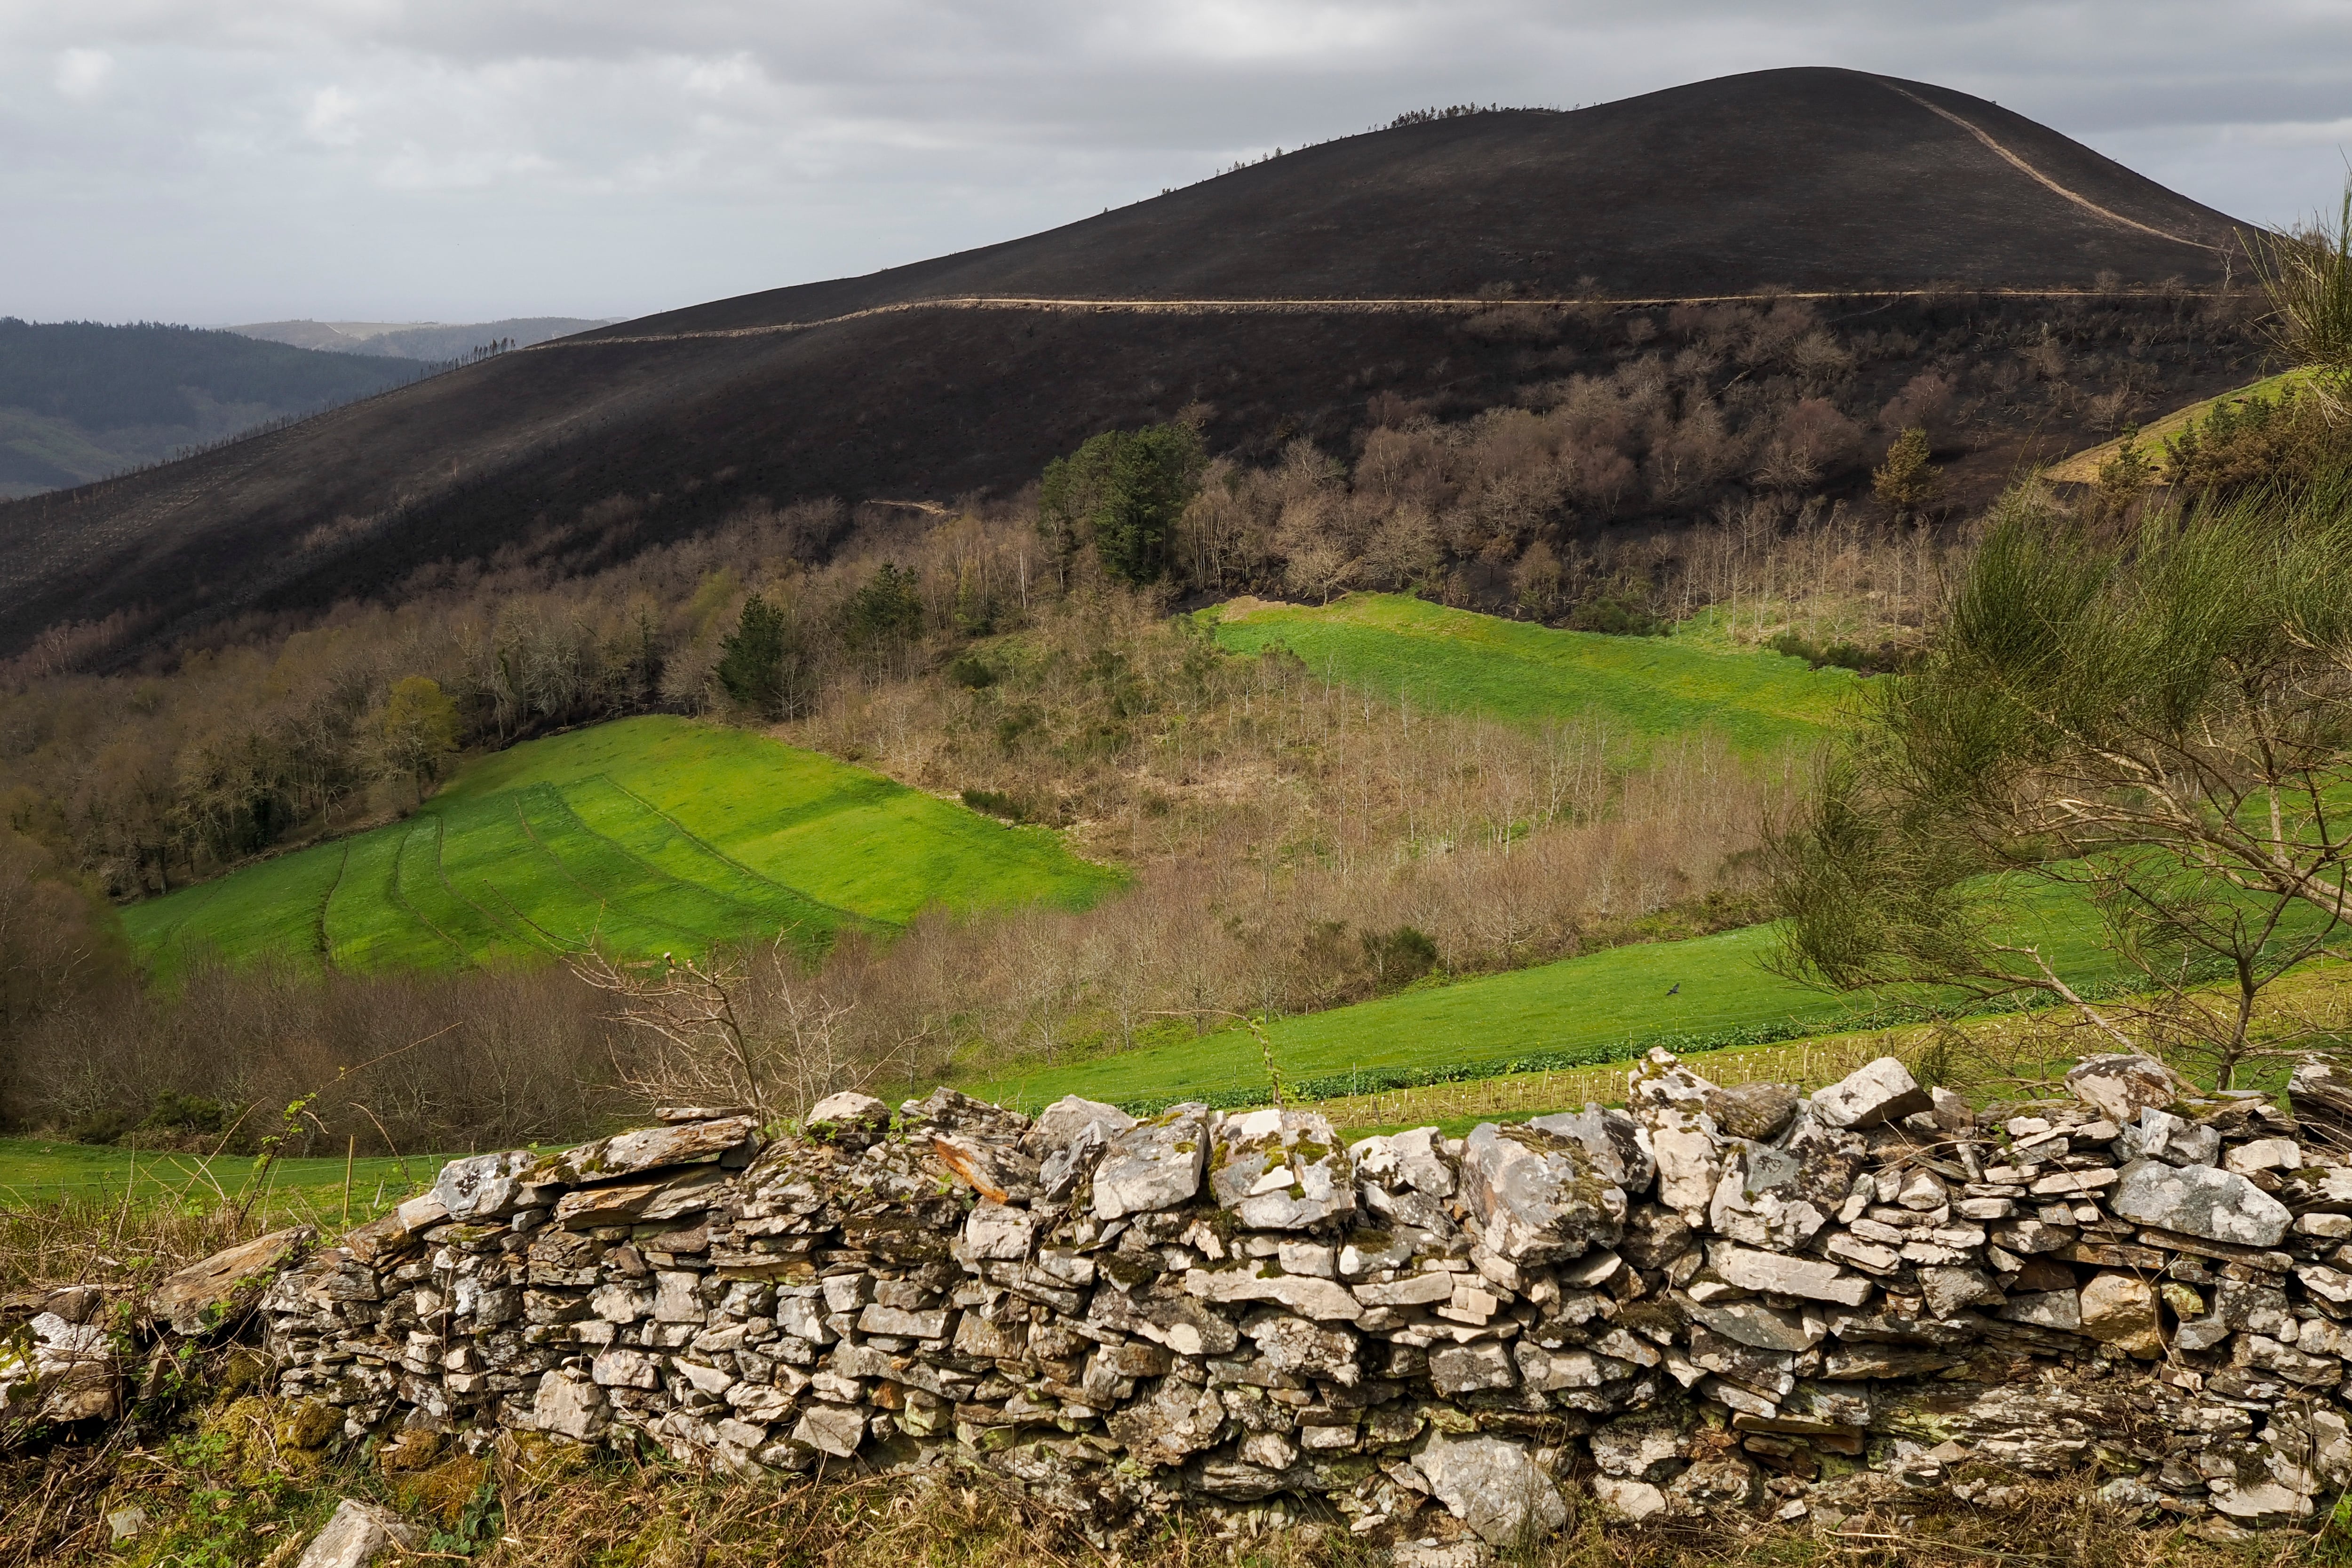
82,399
1826,181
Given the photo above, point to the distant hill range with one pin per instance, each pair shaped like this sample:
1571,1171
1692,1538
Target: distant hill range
79,400
1276,299
418,340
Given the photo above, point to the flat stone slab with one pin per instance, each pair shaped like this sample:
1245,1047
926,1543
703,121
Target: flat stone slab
2200,1201
205,1295
1302,1293
653,1149
1770,1271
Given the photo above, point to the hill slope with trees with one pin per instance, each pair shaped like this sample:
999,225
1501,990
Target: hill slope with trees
1826,181
80,400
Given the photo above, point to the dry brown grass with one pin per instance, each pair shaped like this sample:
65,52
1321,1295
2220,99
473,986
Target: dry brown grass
234,1484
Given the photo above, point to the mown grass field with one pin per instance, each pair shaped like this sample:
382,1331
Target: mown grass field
1679,993
1643,688
645,834
40,1170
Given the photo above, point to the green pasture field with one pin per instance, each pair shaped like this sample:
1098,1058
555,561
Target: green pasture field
1604,1006
647,835
40,1170
1644,689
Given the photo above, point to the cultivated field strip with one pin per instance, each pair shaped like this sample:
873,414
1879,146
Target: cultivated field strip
644,836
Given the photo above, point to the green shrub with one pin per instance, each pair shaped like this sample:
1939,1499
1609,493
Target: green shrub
1399,957
1618,615
1887,659
995,803
1121,492
2246,443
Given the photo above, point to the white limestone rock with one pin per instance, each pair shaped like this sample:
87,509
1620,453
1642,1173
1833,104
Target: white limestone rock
1281,1169
1415,1158
1323,1300
1671,1103
570,1404
2263,1154
358,1534
1000,1232
730,1139
2058,1310
1153,1165
1632,1502
1876,1093
1060,1123
54,1370
2200,1201
1493,1486
2121,1085
1613,1140
835,1429
1540,1198
1471,1369
1772,1272
1170,1424
849,1120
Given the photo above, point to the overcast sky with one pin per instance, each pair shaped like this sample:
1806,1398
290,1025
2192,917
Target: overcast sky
218,160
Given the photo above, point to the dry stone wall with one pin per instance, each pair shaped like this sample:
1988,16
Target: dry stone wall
1716,1299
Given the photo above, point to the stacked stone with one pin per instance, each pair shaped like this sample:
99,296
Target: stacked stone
1714,1299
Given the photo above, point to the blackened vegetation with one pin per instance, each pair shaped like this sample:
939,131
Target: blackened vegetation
1814,180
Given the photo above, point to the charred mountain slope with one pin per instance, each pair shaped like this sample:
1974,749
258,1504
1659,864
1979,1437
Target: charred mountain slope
1816,180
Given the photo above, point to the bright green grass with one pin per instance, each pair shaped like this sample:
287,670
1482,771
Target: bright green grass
647,835
1645,689
38,1171
1607,998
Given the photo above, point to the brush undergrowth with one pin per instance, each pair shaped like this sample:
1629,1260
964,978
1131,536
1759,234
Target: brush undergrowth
232,1479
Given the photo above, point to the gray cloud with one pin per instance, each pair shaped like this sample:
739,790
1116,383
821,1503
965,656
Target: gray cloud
228,160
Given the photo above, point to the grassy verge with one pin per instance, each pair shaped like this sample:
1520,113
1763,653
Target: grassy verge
228,1478
1648,689
1704,994
649,835
89,1213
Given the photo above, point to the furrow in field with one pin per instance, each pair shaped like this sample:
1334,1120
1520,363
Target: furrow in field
638,906
661,841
